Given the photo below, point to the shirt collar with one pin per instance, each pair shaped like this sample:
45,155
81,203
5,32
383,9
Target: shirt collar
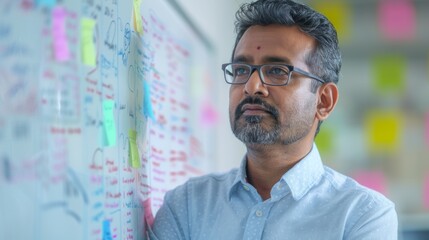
307,172
300,178
240,177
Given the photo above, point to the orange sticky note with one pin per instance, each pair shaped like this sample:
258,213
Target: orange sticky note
397,19
373,179
338,13
384,130
389,73
133,151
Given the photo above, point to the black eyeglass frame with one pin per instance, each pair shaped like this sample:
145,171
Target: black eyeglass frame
258,68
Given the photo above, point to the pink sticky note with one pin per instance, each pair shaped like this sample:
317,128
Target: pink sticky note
148,212
373,179
426,191
208,115
59,34
397,19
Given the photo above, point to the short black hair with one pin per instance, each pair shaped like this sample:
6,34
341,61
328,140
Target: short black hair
325,59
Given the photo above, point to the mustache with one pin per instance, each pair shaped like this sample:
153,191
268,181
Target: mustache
255,100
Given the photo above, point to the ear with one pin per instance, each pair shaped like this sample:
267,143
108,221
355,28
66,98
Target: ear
328,97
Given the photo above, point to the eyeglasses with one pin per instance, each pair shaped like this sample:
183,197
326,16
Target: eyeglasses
270,74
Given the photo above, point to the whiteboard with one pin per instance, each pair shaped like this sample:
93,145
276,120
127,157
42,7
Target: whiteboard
104,106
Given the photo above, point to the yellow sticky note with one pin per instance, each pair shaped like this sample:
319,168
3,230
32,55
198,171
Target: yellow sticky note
138,25
338,12
88,50
109,127
384,130
389,73
133,149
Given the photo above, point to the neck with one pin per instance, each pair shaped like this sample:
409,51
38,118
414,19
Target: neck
268,163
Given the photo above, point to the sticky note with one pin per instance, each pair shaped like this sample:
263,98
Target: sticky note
148,215
388,73
373,179
46,3
147,103
383,130
324,140
426,191
338,13
133,150
397,19
88,50
106,230
109,128
138,25
59,34
208,114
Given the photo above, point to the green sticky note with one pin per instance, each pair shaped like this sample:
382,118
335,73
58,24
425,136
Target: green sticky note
389,73
88,50
134,156
109,128
324,140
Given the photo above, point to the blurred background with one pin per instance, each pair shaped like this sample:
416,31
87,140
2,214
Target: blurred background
378,133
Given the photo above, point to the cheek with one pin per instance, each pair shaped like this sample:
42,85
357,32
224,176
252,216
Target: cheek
296,104
234,99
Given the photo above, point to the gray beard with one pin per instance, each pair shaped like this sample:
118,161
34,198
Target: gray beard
253,133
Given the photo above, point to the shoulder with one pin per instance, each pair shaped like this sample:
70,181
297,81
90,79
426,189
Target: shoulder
348,187
367,210
205,183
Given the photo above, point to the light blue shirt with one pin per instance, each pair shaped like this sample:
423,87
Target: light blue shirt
311,201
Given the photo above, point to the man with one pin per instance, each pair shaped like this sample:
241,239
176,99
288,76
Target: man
283,77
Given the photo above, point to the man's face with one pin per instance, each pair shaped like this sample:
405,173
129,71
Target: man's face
263,114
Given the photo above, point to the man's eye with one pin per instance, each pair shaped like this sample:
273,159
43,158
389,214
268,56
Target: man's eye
277,71
240,71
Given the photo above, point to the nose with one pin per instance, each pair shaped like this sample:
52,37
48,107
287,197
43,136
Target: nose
255,86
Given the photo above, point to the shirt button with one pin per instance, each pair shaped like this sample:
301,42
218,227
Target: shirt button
246,188
259,213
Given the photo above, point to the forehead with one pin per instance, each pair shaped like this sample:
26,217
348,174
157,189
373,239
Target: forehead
261,43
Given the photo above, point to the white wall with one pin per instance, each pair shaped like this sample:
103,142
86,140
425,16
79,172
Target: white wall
216,20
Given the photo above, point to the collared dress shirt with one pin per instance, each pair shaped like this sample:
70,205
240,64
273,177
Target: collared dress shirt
311,201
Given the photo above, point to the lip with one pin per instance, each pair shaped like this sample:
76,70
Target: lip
254,109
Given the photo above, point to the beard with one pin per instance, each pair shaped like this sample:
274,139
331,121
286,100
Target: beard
252,131
269,129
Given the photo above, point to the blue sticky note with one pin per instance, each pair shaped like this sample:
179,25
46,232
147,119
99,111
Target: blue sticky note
106,230
46,3
147,104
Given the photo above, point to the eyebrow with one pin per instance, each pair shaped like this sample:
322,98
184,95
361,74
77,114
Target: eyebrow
268,59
